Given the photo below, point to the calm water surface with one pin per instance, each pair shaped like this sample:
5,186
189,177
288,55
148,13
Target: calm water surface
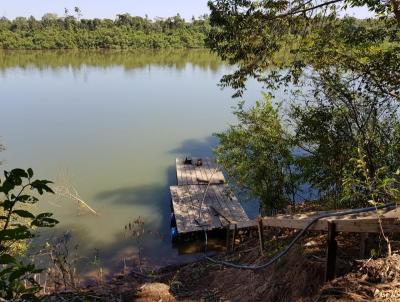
110,124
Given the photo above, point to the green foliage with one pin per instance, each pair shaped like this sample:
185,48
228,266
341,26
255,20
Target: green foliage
363,188
348,71
17,225
256,154
337,123
259,35
126,32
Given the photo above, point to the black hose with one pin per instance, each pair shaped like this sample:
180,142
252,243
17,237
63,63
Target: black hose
301,233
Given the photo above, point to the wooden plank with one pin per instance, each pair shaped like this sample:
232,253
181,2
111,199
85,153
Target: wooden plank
353,225
192,211
219,175
182,174
209,204
206,217
370,225
214,175
213,204
224,204
182,203
192,172
205,208
230,206
199,173
179,212
185,205
233,205
202,173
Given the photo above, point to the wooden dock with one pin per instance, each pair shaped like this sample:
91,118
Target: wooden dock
202,200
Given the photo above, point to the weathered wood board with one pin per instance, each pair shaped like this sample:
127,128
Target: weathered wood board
197,208
360,223
191,174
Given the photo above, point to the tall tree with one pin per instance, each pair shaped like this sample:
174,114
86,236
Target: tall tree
348,72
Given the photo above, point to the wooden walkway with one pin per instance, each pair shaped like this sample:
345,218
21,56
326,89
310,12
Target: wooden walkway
357,223
198,206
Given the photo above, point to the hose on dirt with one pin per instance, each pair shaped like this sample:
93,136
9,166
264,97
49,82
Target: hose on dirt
298,236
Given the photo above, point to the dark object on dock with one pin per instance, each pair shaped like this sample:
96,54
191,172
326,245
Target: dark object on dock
188,161
199,162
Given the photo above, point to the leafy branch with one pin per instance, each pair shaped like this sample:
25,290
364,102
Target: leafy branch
17,225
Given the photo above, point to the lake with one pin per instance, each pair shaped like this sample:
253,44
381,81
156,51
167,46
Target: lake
110,124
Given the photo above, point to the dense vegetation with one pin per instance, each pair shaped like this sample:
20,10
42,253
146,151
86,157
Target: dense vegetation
73,32
341,119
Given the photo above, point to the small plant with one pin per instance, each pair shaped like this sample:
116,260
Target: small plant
365,187
61,262
17,225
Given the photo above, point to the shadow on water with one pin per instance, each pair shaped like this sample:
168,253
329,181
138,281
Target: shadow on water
157,248
196,147
155,245
155,196
155,242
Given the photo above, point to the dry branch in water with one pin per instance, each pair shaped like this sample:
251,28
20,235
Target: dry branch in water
65,189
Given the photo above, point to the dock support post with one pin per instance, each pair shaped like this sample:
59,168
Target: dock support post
228,237
363,244
331,252
234,238
261,235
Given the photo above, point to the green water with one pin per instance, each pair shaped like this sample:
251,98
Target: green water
111,124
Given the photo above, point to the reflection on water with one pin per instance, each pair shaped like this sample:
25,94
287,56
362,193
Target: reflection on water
114,121
129,59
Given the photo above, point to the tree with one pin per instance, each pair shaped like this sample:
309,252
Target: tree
348,70
338,123
256,154
50,17
293,35
78,12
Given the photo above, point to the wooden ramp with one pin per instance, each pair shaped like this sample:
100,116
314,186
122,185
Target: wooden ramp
356,223
198,206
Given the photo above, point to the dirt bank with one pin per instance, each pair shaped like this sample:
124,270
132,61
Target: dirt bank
299,276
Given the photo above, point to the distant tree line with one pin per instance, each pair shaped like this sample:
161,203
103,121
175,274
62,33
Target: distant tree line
74,32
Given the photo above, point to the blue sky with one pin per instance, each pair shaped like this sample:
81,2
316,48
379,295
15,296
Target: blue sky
109,9
104,8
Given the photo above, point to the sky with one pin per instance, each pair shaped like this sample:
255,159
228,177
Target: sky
104,8
109,9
